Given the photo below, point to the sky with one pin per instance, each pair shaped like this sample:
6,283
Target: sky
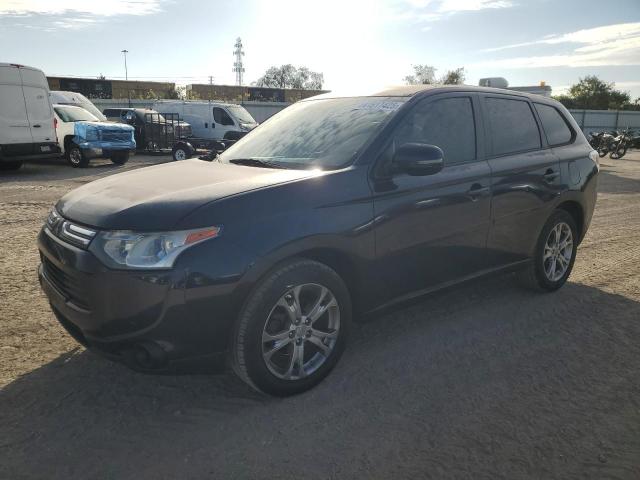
358,45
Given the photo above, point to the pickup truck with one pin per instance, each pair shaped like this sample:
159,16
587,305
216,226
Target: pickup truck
81,137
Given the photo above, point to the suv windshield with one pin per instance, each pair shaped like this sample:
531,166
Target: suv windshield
325,134
241,114
74,114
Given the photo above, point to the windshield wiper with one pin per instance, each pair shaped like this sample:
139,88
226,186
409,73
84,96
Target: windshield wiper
256,162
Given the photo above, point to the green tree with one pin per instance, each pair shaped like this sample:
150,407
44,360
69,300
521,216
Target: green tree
453,77
288,76
426,75
592,93
422,75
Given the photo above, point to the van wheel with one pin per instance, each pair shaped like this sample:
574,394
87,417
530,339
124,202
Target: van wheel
75,157
554,256
292,329
10,165
120,158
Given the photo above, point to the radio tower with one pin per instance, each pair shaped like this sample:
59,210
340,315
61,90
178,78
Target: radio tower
237,65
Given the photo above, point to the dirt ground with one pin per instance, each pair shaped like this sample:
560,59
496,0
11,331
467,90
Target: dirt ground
485,381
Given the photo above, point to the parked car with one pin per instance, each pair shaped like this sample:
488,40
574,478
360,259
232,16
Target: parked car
26,117
335,207
60,97
82,136
210,120
152,130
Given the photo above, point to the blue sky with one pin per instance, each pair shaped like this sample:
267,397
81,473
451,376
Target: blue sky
357,44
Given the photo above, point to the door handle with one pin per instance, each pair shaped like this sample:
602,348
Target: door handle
476,191
37,126
550,175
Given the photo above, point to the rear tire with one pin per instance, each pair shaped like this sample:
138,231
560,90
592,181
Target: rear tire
75,156
120,158
8,166
292,328
552,263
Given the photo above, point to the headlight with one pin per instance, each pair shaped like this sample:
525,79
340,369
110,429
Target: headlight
126,249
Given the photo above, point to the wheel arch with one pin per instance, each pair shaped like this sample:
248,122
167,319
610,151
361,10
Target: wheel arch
574,209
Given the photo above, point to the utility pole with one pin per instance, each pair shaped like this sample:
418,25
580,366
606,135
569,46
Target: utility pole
238,66
126,75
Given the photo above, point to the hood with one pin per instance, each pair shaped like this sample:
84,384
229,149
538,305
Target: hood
156,198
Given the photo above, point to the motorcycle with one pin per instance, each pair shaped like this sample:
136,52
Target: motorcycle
602,142
620,144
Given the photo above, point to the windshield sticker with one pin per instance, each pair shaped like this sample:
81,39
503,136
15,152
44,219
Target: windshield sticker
382,106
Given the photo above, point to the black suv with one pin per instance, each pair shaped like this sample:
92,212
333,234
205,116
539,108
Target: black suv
334,207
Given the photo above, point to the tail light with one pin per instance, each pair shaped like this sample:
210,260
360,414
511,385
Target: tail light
55,127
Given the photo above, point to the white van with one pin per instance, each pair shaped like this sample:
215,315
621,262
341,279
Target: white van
27,127
59,97
210,120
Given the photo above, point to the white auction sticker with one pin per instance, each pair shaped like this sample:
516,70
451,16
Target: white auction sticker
382,106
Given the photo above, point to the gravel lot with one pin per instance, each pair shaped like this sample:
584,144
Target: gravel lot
484,381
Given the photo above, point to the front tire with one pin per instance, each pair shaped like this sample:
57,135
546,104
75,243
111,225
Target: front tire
554,256
120,158
619,152
292,328
76,157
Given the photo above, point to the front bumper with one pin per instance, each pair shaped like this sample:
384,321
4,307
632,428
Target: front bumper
139,318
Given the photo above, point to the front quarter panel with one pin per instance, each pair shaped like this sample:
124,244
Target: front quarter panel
329,211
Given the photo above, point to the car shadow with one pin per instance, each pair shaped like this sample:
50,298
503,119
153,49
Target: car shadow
58,169
610,179
454,383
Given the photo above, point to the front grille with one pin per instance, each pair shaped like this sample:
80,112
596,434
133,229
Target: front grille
115,135
68,231
68,286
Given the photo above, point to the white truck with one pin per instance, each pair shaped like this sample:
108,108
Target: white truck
210,120
27,127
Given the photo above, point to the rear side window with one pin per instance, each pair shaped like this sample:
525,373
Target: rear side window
221,116
554,125
447,123
513,127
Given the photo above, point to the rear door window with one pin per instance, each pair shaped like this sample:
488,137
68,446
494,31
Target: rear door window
512,126
447,123
554,125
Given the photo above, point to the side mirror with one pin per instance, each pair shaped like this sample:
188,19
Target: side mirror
419,159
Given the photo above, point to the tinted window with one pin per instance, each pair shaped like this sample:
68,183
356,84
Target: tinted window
554,125
513,127
446,123
221,116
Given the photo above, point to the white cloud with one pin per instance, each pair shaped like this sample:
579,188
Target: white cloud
87,7
420,11
471,5
600,46
591,36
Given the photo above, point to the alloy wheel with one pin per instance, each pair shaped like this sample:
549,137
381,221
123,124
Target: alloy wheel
301,331
558,250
